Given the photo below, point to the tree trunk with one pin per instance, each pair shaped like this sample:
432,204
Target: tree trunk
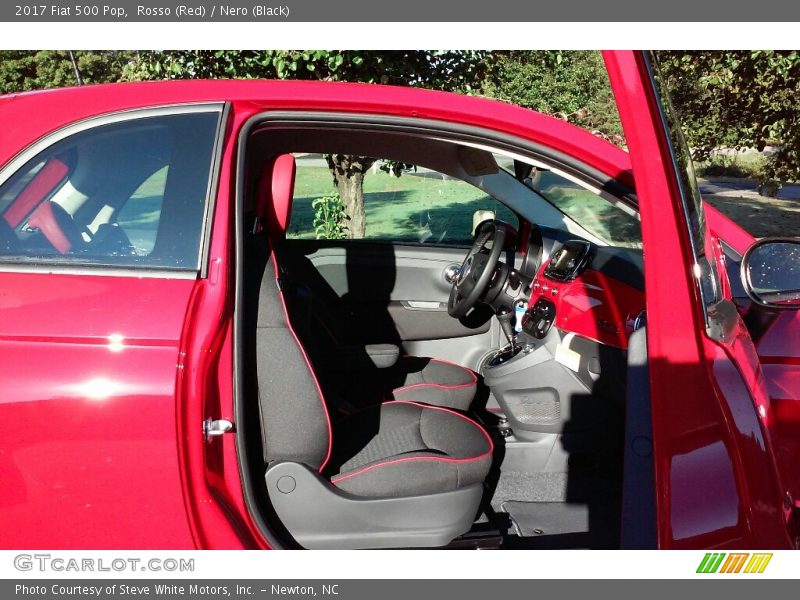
348,177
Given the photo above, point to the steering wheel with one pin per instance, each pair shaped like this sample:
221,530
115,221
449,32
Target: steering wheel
477,269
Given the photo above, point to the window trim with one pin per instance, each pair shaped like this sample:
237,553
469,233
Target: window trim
78,267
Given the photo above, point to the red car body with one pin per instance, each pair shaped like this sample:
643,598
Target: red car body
104,448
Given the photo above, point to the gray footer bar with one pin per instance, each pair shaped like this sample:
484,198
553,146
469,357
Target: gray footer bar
392,589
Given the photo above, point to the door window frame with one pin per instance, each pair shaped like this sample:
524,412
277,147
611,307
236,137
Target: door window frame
44,143
450,131
719,319
535,153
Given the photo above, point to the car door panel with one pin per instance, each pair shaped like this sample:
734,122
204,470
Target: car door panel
384,292
90,333
90,363
710,407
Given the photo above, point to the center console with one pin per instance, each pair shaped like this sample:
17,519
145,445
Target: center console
539,318
569,261
564,372
537,379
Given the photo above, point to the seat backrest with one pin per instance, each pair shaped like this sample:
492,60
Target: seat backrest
294,417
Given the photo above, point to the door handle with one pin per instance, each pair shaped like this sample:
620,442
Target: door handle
423,304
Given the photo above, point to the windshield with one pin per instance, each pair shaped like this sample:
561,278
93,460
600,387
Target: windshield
607,218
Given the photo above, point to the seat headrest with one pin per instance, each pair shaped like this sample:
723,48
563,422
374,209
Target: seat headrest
274,195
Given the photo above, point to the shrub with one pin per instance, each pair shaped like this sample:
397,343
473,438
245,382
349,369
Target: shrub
329,218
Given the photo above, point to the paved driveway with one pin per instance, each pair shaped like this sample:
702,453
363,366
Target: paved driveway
760,215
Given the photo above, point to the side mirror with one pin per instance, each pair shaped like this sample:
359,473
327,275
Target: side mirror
771,272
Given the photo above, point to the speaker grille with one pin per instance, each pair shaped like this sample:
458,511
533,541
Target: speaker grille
532,412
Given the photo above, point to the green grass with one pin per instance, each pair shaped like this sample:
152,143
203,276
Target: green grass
406,208
413,207
140,215
744,165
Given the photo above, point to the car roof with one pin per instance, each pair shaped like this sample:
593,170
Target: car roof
33,114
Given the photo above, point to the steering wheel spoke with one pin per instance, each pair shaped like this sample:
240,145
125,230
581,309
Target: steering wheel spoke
477,269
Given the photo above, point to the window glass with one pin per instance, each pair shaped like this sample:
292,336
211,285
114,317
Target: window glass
418,206
131,193
705,270
610,220
139,217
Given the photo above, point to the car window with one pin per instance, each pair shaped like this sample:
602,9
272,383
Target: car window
139,216
131,193
611,221
402,203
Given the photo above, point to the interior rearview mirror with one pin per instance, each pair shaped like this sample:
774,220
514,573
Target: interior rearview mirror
771,272
522,170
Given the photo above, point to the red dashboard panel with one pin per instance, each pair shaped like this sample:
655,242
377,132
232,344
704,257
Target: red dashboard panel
592,305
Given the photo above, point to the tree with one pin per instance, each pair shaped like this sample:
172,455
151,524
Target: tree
743,99
444,70
571,85
24,70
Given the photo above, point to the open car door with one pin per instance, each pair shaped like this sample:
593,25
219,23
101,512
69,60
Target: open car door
717,479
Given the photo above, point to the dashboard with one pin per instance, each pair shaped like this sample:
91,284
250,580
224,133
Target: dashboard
593,291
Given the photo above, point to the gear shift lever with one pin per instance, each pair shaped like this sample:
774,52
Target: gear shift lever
505,316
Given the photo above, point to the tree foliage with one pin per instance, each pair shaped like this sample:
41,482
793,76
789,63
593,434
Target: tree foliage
571,85
457,71
442,70
726,99
24,70
329,218
742,99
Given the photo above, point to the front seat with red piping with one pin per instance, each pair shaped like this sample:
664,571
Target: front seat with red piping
354,375
393,475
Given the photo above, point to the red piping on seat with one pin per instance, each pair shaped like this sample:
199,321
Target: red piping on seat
436,385
310,368
425,458
442,386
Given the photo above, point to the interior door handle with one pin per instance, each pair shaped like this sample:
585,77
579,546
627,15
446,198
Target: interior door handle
422,304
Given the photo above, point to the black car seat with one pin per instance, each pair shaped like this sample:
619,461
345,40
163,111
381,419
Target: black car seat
353,375
393,474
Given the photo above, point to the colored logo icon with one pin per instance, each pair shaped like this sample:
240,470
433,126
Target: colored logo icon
735,562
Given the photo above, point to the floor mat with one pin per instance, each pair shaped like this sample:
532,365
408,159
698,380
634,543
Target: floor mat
551,487
564,524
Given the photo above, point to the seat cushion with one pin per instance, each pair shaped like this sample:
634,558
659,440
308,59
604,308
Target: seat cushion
407,449
434,381
411,378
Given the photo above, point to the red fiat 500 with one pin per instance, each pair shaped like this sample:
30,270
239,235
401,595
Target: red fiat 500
523,336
